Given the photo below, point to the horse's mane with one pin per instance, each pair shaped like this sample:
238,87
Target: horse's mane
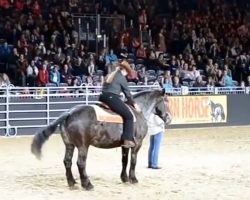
142,93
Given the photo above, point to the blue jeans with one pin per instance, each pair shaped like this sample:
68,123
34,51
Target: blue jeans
153,151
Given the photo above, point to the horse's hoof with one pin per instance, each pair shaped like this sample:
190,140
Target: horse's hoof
88,186
72,183
124,179
73,187
133,180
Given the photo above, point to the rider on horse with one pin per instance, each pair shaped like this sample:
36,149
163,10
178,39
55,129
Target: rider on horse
116,83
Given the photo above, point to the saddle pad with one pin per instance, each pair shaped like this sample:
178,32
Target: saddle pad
105,115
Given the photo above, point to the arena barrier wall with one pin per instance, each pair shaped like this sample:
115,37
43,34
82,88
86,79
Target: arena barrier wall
197,111
23,114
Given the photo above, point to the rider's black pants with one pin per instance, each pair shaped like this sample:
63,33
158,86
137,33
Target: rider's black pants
118,106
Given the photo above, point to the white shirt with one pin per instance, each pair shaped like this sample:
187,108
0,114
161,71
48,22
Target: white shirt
155,124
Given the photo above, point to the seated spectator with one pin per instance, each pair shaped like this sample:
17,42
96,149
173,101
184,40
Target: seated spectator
91,65
4,80
65,73
200,63
247,83
195,72
141,52
68,61
78,68
167,78
111,57
199,82
111,61
75,82
185,74
12,65
142,75
22,65
126,39
162,63
219,82
229,71
101,62
43,76
36,9
242,84
98,89
176,82
122,51
59,57
72,51
89,81
210,82
54,75
69,81
31,74
167,85
133,76
5,52
151,61
135,44
227,80
174,65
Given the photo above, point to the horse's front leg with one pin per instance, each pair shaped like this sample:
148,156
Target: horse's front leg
81,163
124,176
68,163
132,177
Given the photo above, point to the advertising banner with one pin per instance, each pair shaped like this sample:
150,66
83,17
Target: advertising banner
198,109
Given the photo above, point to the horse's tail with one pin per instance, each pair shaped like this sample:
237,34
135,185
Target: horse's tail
42,135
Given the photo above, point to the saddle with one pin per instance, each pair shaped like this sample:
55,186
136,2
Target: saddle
105,114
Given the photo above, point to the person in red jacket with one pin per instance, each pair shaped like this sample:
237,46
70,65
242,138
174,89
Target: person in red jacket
43,76
36,9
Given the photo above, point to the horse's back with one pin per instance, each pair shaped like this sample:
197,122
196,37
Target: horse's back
83,127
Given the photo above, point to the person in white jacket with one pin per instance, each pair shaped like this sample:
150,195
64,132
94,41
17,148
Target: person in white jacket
156,127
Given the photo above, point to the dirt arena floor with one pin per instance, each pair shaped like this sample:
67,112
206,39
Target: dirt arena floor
201,164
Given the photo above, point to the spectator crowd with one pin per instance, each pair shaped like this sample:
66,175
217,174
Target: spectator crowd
195,43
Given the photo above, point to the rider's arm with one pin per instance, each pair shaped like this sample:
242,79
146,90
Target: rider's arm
126,91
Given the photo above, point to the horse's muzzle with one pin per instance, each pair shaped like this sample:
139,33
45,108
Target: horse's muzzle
168,119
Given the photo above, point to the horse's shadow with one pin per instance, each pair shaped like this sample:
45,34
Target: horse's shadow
56,182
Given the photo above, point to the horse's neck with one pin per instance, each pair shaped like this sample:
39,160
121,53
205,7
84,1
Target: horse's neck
145,106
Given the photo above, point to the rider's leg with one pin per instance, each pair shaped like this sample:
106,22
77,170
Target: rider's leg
118,106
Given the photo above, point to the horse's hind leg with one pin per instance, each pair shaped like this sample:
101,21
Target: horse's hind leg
124,176
68,163
132,177
81,163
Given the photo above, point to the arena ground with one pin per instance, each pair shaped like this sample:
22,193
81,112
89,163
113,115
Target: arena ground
200,164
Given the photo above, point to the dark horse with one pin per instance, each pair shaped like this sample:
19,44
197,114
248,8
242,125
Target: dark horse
79,128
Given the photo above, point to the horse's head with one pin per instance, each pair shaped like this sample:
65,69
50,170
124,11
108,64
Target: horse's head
210,103
154,102
162,107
